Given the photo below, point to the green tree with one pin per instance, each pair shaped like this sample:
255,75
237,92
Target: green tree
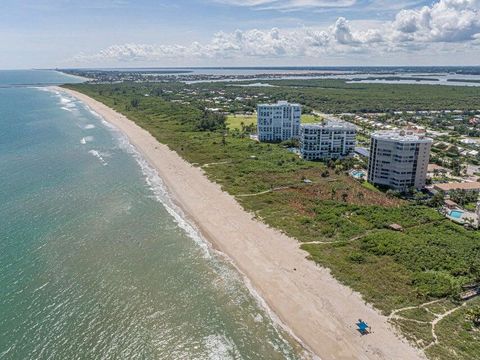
456,167
437,200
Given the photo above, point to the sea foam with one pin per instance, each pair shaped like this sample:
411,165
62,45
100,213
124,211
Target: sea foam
99,156
86,139
159,190
220,347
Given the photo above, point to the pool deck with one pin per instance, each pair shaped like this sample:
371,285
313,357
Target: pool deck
463,219
355,174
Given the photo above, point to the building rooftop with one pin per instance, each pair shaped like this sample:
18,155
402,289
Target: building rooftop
331,124
450,203
401,136
280,103
458,186
362,151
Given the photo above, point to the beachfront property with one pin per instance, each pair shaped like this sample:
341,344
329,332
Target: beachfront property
399,159
278,122
331,139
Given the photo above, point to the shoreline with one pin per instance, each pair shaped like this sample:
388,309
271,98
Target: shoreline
306,299
85,79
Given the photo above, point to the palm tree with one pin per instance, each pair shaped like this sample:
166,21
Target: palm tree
469,222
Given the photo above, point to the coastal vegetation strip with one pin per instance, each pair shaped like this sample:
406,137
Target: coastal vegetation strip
431,259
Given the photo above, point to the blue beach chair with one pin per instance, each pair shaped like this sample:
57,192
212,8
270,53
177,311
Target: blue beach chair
363,327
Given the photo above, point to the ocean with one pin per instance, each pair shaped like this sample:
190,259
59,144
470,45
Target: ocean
96,262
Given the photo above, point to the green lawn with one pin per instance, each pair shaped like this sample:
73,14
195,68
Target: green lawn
235,121
309,119
369,186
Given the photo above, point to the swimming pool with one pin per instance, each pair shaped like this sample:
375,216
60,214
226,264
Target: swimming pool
358,174
456,214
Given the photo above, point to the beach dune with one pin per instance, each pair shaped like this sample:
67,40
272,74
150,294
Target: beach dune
315,307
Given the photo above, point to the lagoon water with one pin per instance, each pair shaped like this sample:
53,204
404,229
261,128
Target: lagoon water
95,260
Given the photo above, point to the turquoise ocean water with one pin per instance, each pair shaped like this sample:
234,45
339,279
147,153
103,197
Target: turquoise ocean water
95,260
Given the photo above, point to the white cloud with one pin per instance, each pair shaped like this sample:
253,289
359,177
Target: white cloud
298,5
289,4
452,23
445,21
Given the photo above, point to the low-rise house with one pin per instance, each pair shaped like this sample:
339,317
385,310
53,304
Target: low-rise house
449,204
469,141
466,186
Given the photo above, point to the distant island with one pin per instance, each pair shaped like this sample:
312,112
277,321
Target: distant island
427,75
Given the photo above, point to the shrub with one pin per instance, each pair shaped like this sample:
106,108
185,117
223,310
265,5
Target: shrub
357,258
434,284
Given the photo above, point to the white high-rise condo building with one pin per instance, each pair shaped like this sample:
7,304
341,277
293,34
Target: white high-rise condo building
278,122
328,140
399,159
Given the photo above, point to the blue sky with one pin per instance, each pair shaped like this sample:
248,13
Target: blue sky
90,33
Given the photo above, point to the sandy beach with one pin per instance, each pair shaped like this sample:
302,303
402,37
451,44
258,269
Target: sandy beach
308,300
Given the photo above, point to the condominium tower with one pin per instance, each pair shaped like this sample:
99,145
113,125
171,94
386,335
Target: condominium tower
329,140
399,159
278,122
